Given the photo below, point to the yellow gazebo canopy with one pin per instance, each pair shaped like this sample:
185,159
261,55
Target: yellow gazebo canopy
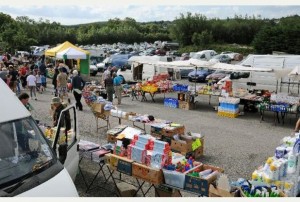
53,51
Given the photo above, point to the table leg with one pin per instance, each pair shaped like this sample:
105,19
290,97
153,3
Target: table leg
140,187
100,169
282,117
261,115
152,96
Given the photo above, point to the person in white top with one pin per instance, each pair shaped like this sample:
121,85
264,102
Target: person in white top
39,86
31,83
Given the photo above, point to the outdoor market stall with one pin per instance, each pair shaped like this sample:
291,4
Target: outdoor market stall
66,51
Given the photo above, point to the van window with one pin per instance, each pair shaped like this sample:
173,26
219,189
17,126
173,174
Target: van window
23,151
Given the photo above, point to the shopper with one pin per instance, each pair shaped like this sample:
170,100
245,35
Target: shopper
24,98
57,106
62,82
31,83
38,82
77,86
297,126
118,87
54,81
105,73
109,86
13,75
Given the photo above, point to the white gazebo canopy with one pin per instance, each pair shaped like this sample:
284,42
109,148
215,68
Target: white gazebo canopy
71,53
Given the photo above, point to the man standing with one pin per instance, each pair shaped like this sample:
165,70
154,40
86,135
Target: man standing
77,85
118,87
109,86
62,81
31,83
57,106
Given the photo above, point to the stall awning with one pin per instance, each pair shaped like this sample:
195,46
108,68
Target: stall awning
239,68
53,51
71,53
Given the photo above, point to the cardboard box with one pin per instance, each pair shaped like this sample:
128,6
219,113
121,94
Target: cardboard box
126,190
181,146
124,166
162,191
186,148
215,192
98,107
186,105
156,131
200,185
148,174
171,131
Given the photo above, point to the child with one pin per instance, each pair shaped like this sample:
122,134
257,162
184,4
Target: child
38,82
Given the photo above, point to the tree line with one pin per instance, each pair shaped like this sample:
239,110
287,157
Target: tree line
194,31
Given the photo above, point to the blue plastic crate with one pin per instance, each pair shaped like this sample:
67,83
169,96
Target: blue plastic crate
171,102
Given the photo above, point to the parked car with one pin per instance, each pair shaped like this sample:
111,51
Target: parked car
229,53
217,75
204,55
199,75
93,69
185,72
221,58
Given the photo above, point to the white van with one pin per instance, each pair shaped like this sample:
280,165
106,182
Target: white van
143,68
204,55
268,80
30,164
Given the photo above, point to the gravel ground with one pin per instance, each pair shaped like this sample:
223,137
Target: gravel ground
237,145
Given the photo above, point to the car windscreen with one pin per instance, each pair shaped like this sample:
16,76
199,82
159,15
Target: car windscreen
23,150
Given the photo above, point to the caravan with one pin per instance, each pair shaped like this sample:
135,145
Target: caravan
143,67
281,64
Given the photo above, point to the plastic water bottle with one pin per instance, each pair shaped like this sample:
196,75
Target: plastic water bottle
291,163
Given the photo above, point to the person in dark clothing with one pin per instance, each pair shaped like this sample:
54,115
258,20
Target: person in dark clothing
13,75
109,86
54,81
77,86
57,106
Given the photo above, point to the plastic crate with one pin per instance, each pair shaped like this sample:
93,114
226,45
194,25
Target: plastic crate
171,102
174,178
226,114
232,111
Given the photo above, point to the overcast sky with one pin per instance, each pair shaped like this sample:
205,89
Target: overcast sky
70,12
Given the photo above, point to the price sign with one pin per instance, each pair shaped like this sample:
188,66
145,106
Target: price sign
196,144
